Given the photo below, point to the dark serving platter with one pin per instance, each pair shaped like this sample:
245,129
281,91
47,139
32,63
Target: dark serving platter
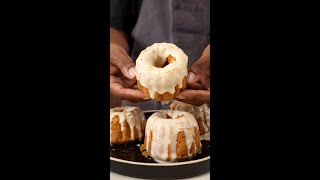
129,161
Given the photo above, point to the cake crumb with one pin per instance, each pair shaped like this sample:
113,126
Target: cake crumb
144,151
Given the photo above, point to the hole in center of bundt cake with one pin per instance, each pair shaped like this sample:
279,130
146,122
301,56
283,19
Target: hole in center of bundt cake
179,116
119,110
169,60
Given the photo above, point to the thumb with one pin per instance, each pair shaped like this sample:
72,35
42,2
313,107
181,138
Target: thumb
198,69
124,63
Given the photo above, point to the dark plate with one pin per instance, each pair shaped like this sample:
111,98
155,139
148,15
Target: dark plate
128,160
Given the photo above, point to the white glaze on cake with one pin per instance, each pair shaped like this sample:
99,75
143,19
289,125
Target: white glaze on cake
134,116
201,112
157,79
205,137
165,131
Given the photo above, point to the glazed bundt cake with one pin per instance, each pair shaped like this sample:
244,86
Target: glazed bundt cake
161,71
127,124
171,136
201,113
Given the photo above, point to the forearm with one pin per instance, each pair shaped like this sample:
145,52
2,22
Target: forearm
120,38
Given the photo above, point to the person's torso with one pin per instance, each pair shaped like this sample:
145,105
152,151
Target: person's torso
186,23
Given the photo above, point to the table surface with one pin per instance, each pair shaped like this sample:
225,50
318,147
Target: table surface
114,176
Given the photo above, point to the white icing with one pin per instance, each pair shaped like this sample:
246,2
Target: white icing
134,117
165,131
157,79
205,137
201,112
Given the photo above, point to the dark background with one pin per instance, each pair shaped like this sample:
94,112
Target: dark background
56,89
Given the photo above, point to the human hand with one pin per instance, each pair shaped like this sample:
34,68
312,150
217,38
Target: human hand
123,82
198,81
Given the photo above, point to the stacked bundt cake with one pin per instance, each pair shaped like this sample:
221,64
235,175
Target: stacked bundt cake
127,124
172,135
201,113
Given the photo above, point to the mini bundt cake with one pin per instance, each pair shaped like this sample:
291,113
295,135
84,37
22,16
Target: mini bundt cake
127,124
171,136
201,113
161,71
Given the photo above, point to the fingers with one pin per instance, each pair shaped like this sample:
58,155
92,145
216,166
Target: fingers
134,95
130,83
127,83
205,80
114,70
195,97
120,59
135,86
200,67
195,86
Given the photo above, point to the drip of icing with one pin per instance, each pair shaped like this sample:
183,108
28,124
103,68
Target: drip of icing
205,116
157,79
207,113
132,115
189,139
165,131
